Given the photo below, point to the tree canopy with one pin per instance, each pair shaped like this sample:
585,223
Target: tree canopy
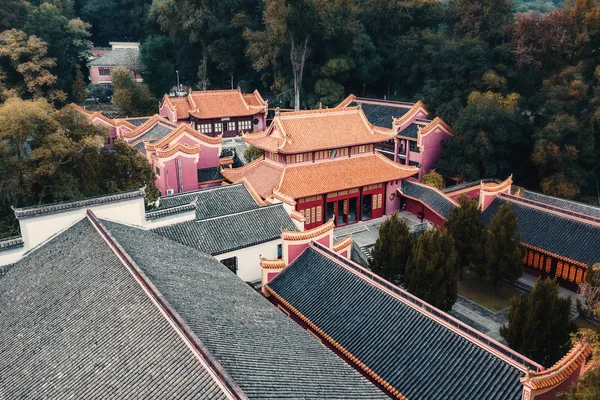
392,249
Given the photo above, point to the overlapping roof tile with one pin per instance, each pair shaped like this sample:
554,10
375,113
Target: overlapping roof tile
431,197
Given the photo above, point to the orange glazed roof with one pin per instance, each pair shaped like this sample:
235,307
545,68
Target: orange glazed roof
303,180
302,131
217,104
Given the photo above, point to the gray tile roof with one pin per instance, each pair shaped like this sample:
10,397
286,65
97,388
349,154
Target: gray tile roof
163,212
466,185
581,208
429,197
410,131
231,232
4,269
209,174
559,234
156,133
416,354
265,352
137,121
382,114
11,243
116,58
140,147
22,213
213,202
75,324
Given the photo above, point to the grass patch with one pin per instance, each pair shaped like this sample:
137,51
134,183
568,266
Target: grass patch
480,292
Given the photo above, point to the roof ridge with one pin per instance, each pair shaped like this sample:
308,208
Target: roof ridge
495,348
413,181
209,362
242,212
170,196
560,212
301,113
580,203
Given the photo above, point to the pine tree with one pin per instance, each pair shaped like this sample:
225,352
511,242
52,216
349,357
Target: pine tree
539,327
392,249
430,271
502,249
465,225
80,92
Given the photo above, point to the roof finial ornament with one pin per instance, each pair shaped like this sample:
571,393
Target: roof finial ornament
359,105
320,105
277,111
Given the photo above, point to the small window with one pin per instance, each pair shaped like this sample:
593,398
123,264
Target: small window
299,157
231,264
231,126
414,148
219,127
279,251
319,213
245,125
103,71
157,171
307,215
205,128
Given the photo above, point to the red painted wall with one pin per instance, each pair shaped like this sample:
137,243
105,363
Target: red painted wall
414,207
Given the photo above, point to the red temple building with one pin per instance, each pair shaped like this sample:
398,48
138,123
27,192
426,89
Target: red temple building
324,164
418,140
217,112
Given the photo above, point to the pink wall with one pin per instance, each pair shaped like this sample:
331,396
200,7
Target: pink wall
168,175
166,112
261,122
391,206
209,157
414,207
473,193
96,78
294,250
432,148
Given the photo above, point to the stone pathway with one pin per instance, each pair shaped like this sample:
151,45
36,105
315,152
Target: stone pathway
480,318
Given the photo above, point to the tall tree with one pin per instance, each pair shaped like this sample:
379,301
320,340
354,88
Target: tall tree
465,226
488,138
12,14
116,20
26,68
80,92
158,70
502,248
431,269
539,326
485,20
392,249
133,98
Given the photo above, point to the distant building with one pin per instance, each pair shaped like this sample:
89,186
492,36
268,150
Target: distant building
418,140
224,113
121,54
324,164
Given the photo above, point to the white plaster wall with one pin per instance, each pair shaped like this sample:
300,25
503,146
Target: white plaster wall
249,259
11,256
37,229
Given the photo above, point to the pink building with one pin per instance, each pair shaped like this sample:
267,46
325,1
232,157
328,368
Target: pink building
218,112
419,140
182,158
122,54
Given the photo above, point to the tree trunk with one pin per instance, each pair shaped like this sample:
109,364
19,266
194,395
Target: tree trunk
298,59
204,61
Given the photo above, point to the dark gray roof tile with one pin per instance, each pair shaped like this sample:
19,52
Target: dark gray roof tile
116,58
74,204
209,174
381,114
74,323
213,202
265,352
570,205
416,354
231,232
548,230
430,197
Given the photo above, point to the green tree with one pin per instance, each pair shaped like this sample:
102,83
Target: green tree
433,179
502,248
25,68
116,19
431,269
156,56
126,169
465,226
252,153
488,138
586,388
80,92
67,41
392,249
133,98
12,14
482,20
539,326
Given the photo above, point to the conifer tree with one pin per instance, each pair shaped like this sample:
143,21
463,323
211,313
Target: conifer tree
430,271
392,249
80,92
539,327
465,225
502,248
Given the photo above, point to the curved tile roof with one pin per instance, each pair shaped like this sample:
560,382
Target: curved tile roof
409,349
575,206
429,196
